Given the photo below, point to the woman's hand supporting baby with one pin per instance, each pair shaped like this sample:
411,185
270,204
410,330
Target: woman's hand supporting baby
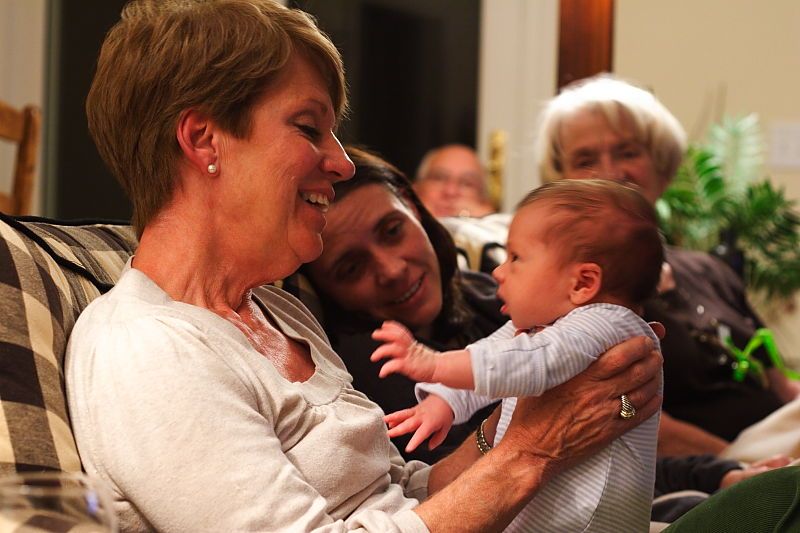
417,361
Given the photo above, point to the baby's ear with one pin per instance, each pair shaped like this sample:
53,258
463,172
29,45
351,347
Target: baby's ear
587,278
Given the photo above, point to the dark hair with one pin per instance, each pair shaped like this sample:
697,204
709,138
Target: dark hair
608,223
372,169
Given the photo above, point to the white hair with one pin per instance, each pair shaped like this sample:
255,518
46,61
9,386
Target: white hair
654,126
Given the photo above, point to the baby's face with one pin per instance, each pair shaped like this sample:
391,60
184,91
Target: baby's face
534,281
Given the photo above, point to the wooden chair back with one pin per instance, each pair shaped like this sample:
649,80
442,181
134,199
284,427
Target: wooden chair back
20,127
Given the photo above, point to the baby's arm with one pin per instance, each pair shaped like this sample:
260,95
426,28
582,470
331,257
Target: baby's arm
432,417
417,361
527,365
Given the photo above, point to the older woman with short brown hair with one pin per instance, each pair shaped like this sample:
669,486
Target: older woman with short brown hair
210,403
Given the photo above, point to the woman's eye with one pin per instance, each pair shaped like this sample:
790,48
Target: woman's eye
348,271
309,131
584,163
393,230
628,151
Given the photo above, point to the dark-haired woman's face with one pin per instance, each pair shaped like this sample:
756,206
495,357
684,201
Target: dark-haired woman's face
377,259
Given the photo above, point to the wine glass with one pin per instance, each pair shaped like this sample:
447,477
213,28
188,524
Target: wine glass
55,501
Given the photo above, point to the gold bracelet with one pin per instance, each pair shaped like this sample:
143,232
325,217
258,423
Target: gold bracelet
480,438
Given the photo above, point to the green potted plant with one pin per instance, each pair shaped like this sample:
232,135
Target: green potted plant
719,202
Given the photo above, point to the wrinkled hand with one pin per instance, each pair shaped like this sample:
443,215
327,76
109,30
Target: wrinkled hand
406,356
432,417
753,469
579,417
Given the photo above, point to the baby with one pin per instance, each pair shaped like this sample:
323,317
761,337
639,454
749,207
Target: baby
582,257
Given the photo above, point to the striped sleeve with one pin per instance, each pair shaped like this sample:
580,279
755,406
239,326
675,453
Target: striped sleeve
530,364
464,403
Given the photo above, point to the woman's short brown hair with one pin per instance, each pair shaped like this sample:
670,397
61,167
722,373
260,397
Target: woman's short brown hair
167,56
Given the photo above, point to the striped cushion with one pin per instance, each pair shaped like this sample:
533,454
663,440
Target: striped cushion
49,272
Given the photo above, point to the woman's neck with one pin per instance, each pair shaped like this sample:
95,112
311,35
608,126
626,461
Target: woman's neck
190,274
195,263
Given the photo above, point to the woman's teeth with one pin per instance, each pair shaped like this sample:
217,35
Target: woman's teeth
318,200
409,293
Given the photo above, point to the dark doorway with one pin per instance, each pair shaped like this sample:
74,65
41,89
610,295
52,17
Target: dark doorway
412,69
85,187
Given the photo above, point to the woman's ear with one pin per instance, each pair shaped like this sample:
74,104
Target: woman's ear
587,278
196,135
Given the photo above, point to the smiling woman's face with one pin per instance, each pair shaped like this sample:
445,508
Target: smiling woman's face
377,259
592,148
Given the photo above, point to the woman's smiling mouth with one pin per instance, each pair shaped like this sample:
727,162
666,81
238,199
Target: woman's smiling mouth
320,201
409,293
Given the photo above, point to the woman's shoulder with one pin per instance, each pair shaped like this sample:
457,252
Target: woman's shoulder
478,288
479,291
695,263
134,300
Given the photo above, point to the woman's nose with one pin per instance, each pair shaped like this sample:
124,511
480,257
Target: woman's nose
609,169
390,267
336,162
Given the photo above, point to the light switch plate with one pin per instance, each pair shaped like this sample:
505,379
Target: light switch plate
784,145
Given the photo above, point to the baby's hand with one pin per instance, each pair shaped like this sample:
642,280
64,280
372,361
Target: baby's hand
407,356
432,416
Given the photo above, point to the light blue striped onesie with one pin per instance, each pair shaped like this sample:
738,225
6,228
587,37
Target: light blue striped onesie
610,491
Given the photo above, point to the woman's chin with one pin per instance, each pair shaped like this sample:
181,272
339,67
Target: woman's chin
308,249
424,316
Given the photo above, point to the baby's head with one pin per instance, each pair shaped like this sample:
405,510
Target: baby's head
575,242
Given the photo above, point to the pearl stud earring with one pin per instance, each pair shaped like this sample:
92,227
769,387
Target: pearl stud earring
212,168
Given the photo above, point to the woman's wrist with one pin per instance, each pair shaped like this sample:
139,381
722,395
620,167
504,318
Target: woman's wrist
484,445
507,477
541,465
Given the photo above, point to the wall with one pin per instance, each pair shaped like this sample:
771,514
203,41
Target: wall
704,58
22,45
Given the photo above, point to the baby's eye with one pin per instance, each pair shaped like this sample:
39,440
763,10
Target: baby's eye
513,257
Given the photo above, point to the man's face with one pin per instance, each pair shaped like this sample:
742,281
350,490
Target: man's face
454,184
